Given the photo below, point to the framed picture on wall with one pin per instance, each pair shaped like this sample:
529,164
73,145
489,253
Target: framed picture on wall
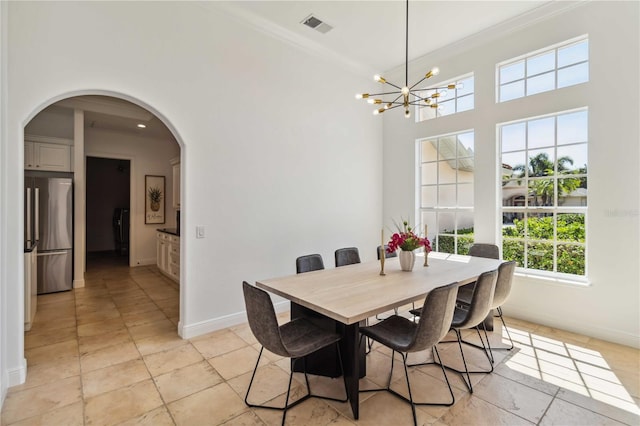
154,199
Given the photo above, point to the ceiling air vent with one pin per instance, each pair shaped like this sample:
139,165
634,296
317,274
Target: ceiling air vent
315,23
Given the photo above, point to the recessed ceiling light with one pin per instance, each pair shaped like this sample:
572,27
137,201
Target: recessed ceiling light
142,126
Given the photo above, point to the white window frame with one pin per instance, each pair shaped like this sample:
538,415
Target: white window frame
555,209
456,210
555,70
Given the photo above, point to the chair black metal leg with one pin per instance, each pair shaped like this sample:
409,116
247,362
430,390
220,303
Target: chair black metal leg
286,404
499,309
466,369
413,406
488,353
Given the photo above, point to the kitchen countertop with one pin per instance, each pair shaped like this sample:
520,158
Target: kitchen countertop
172,231
28,247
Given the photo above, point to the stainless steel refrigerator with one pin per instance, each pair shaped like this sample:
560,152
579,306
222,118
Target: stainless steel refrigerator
49,222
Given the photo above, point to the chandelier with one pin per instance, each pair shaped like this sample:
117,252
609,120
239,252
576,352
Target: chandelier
407,95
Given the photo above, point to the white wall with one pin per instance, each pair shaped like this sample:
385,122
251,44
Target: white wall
148,157
608,308
4,338
277,161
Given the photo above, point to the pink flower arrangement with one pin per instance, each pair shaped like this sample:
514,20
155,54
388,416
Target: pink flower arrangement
406,239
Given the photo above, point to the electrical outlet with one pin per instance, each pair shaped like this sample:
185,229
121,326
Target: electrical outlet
200,231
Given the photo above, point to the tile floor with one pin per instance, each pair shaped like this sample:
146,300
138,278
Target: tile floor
109,354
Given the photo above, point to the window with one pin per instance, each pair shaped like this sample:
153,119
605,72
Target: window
449,101
544,192
552,68
445,170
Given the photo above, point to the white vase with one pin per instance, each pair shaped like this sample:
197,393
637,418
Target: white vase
407,260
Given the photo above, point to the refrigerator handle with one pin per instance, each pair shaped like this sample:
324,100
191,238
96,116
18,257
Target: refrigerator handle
36,214
29,215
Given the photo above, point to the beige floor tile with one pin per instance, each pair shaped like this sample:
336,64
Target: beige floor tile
43,373
514,397
618,406
312,412
158,417
98,316
69,415
127,301
511,370
217,343
102,327
122,404
246,419
55,325
114,377
211,406
186,381
172,359
110,355
386,409
160,342
33,339
52,353
270,382
138,308
64,296
39,400
142,318
470,410
236,362
151,329
90,344
564,413
244,332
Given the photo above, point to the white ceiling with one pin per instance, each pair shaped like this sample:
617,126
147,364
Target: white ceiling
372,33
368,35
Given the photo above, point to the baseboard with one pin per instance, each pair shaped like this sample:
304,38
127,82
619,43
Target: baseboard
575,326
18,376
208,326
145,262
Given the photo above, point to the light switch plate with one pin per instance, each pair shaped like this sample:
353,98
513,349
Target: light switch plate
200,231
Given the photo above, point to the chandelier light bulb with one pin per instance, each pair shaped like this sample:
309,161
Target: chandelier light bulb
407,113
358,95
443,93
460,86
435,71
376,112
405,90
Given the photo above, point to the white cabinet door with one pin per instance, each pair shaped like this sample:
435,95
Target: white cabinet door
47,156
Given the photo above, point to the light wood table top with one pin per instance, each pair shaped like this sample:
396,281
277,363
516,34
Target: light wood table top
350,294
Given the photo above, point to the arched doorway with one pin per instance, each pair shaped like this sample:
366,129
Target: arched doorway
97,122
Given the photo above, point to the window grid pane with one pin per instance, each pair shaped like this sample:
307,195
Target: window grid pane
544,192
557,67
446,204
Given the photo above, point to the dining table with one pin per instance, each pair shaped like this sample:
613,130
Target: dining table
351,294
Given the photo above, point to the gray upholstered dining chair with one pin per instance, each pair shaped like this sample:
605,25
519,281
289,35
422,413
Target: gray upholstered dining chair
500,295
347,256
295,339
308,263
472,316
405,336
489,251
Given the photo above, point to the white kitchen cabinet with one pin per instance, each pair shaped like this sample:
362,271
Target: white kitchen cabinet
30,287
47,156
168,255
175,163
